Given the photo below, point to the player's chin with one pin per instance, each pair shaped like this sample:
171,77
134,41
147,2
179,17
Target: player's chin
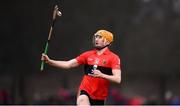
96,46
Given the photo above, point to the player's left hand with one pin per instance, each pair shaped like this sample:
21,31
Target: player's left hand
96,73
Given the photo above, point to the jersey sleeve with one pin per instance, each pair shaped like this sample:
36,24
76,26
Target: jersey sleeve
115,64
82,58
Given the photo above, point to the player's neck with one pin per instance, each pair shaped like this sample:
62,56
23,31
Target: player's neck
99,52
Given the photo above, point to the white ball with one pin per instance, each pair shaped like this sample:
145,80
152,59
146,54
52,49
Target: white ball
59,13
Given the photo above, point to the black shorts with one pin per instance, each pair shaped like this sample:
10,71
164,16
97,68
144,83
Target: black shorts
92,101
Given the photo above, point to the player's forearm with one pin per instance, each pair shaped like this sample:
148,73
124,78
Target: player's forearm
58,64
112,78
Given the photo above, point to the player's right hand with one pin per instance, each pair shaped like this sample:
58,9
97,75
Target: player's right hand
44,57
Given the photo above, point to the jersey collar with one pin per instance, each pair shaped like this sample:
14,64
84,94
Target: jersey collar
107,51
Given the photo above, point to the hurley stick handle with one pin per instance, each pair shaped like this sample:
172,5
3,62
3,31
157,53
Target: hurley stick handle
45,52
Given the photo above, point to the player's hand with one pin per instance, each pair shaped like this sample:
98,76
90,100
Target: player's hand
45,58
96,73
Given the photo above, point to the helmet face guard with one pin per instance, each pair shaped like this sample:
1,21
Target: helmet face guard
97,47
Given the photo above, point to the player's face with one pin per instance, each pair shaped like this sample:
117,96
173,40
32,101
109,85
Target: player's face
99,41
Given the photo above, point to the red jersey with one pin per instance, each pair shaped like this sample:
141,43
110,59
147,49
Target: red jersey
97,87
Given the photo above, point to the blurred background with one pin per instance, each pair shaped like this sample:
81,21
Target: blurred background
147,39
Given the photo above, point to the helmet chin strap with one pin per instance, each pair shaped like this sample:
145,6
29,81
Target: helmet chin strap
100,48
